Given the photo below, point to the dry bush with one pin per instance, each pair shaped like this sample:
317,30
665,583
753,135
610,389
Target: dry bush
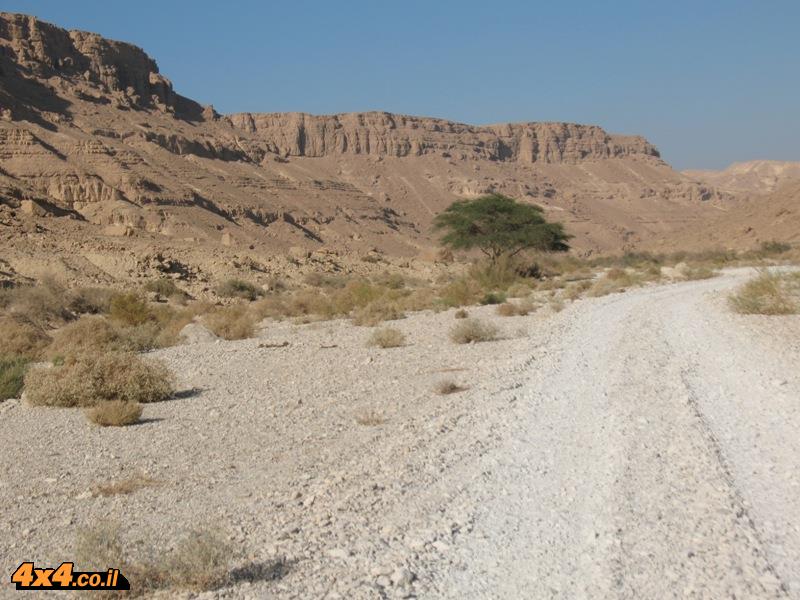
387,337
86,380
370,418
461,314
90,300
497,275
200,562
470,331
767,294
618,281
376,312
12,376
576,290
324,280
519,290
114,413
164,287
556,305
234,322
693,273
22,337
461,292
356,294
42,304
493,298
520,309
448,387
87,334
124,486
236,288
129,309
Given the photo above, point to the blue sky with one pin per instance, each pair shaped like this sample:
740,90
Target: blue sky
709,82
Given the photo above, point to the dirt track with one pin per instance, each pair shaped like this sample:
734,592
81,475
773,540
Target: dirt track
641,445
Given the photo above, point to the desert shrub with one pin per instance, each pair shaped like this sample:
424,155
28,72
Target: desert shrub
124,486
356,294
129,309
774,247
518,290
163,287
324,280
618,282
461,314
386,337
448,387
234,322
88,334
520,309
12,375
370,418
556,305
236,288
86,380
200,561
692,273
767,294
22,337
460,292
497,275
42,304
114,413
575,290
493,298
616,274
377,312
472,330
90,300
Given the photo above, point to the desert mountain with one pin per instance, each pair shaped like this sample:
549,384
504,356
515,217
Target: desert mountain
752,177
106,171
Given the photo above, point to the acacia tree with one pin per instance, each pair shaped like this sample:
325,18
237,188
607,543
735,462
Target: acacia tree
498,225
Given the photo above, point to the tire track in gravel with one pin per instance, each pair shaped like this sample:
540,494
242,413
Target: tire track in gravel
625,475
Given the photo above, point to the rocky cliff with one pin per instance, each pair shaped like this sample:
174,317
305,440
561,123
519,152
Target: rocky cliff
384,134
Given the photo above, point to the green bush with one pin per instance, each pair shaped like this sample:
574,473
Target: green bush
12,375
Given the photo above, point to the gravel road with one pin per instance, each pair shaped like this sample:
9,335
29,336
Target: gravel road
640,445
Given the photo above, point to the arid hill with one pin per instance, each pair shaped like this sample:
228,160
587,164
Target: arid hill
106,172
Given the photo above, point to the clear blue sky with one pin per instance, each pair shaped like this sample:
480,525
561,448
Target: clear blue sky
708,81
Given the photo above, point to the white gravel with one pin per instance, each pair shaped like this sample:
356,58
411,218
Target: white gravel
640,445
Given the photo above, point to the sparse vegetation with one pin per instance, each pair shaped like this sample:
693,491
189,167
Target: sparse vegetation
90,300
387,337
12,375
519,309
448,387
236,288
471,331
768,294
200,562
114,413
370,418
129,309
86,380
461,314
124,486
234,322
163,287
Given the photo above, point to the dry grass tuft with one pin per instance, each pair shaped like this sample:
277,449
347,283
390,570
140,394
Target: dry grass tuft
461,314
768,294
42,304
520,309
376,312
234,322
387,337
129,309
87,380
124,486
471,331
371,418
448,387
200,562
90,300
114,413
12,376
88,334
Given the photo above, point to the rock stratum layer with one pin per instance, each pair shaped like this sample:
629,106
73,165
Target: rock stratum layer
106,170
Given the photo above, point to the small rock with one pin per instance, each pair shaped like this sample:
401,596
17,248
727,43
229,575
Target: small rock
402,577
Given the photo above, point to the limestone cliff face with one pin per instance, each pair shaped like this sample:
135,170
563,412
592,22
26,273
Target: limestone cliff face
384,134
45,50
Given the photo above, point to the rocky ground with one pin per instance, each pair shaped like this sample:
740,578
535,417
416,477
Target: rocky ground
637,445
